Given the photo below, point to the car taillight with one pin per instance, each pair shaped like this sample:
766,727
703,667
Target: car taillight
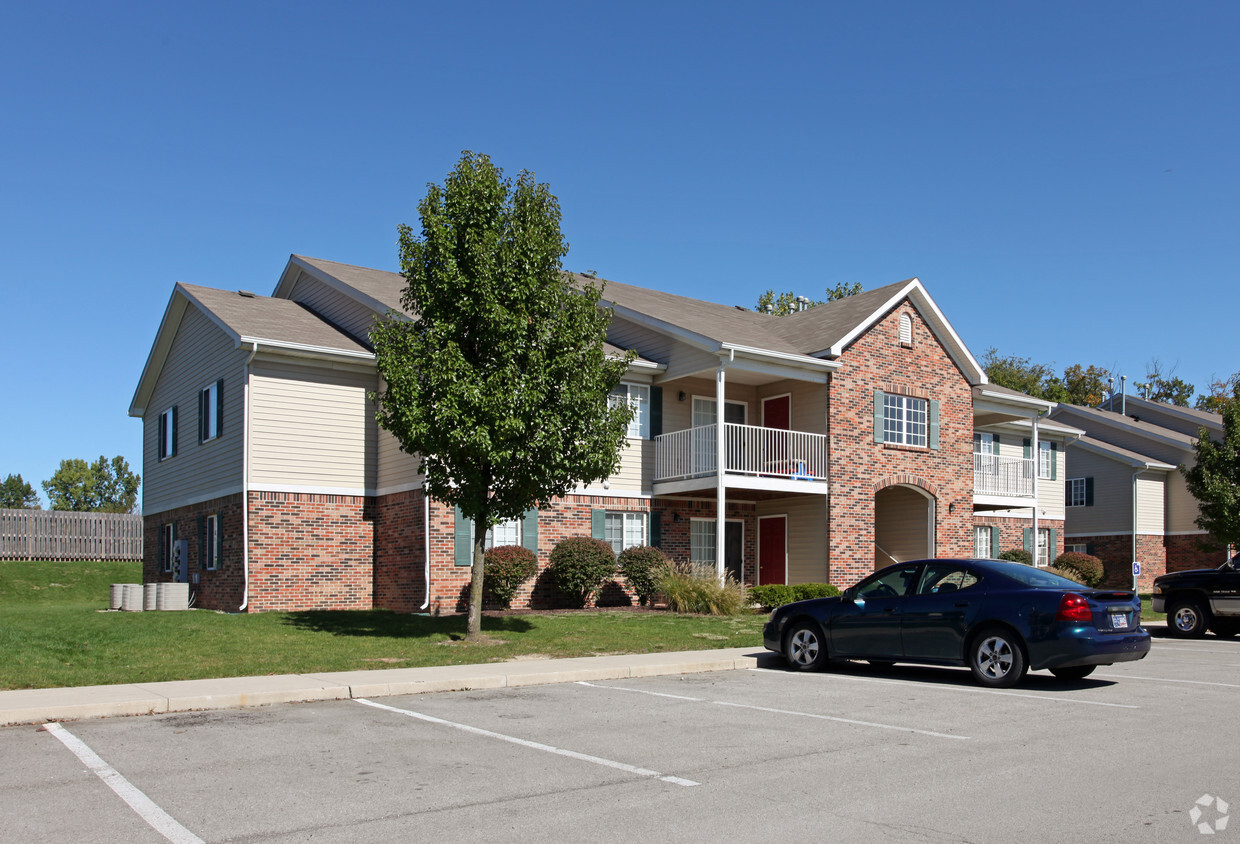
1074,608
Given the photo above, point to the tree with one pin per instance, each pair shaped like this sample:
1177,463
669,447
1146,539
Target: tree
1214,480
1084,385
497,380
1022,375
782,304
17,494
1220,394
1165,387
105,486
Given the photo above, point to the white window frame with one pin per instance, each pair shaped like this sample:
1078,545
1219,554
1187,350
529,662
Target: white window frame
168,530
505,529
214,539
1043,550
1075,492
167,434
624,529
208,412
703,410
638,397
901,422
1046,459
702,546
980,531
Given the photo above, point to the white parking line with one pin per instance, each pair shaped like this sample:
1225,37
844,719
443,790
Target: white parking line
814,715
559,751
963,689
1167,680
160,821
1190,649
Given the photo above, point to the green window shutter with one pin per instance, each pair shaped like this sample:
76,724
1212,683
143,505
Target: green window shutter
529,530
1028,448
1051,539
202,542
163,437
462,547
1089,492
175,414
1054,461
598,524
655,532
934,424
656,411
1089,548
1029,540
879,415
219,407
994,445
202,416
994,541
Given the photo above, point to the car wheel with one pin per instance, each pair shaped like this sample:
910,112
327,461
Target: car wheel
1186,620
1075,672
805,648
996,658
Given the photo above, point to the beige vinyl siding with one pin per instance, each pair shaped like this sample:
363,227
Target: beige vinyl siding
1051,493
200,355
397,470
334,306
678,415
905,526
1150,503
636,472
679,357
1112,510
809,404
312,427
1182,510
807,535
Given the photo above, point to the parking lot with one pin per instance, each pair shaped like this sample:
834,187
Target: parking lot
856,754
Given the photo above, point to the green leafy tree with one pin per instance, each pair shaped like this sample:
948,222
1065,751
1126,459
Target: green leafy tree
1084,385
782,304
1022,375
105,486
1165,387
1220,394
497,380
1214,480
17,494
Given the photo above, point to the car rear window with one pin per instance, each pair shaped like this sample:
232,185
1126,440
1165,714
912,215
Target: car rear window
1037,578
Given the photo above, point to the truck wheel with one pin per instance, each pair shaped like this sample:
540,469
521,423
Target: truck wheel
1187,620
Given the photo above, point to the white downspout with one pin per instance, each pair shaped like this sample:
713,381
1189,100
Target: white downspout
721,492
1037,471
426,539
245,484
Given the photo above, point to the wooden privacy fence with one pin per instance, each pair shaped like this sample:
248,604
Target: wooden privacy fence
60,535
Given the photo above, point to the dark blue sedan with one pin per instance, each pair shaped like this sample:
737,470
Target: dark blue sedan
1000,619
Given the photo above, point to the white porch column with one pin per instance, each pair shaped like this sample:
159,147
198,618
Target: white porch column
721,491
1037,470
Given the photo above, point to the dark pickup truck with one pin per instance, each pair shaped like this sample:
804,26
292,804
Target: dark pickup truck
1199,599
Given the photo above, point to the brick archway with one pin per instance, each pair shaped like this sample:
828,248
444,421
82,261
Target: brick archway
906,480
904,519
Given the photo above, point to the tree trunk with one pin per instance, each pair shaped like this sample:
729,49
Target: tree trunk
473,628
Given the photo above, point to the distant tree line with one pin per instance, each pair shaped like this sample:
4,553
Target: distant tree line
105,486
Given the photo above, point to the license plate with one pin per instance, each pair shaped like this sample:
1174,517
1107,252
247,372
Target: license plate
1119,619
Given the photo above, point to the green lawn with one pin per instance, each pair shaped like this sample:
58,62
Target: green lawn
1147,610
55,630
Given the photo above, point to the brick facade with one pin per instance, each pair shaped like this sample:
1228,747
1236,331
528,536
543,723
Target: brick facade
861,467
220,589
1012,532
1158,555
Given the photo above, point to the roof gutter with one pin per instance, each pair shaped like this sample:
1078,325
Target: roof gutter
802,361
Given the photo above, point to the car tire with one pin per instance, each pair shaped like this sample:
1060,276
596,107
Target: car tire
805,648
1187,620
997,659
1075,672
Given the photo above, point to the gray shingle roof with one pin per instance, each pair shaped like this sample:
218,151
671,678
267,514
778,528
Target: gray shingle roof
278,321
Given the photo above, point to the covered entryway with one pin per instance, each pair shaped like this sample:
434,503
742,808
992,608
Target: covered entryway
903,525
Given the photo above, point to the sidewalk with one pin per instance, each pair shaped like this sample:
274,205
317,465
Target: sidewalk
28,706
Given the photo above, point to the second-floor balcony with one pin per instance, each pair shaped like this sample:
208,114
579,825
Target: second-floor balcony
753,457
995,475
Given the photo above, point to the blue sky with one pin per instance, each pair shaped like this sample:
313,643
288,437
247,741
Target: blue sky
1062,176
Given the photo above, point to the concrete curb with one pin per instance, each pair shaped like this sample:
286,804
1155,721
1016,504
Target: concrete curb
29,706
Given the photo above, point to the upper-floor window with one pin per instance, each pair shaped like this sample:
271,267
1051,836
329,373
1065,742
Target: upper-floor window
168,433
905,420
1046,460
1079,492
906,330
734,412
210,412
636,396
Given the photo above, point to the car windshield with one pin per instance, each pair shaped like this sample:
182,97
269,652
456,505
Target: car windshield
1030,576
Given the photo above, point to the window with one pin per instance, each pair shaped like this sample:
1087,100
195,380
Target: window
1046,460
504,533
636,396
982,547
941,578
1044,547
210,412
1079,492
904,420
212,540
168,433
1077,548
702,541
167,541
625,530
734,412
906,330
893,584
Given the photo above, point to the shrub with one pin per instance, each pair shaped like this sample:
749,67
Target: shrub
1088,568
1068,573
805,591
777,594
506,567
580,566
696,589
643,566
1017,555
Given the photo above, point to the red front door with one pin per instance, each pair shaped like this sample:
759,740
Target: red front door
777,412
772,549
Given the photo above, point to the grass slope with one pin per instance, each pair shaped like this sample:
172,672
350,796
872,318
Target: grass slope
55,631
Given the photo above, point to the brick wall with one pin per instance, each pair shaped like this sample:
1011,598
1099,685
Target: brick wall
1012,532
859,466
221,589
1194,551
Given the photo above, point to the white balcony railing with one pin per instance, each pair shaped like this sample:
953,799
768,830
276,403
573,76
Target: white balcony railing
996,475
748,450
